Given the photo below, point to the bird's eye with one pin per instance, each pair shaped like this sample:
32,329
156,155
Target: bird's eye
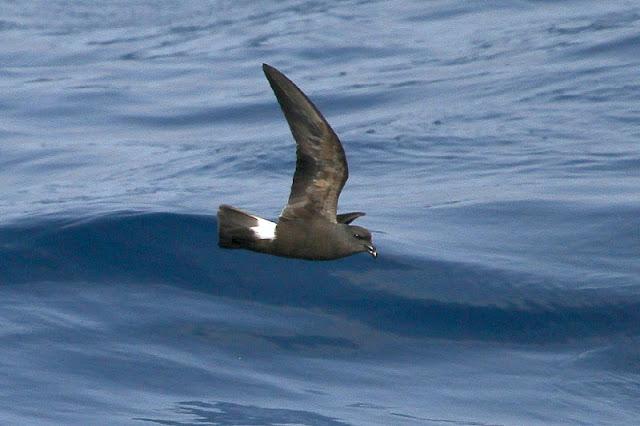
357,236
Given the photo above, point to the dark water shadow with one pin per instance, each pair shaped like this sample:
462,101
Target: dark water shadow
182,250
227,414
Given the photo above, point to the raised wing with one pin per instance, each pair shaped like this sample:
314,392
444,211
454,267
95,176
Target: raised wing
321,166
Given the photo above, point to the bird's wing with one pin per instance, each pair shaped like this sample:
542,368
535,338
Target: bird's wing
347,218
321,166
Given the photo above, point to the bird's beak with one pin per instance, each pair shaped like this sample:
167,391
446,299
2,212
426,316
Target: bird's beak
372,251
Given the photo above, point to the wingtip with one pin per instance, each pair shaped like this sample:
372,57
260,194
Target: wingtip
269,70
277,77
347,218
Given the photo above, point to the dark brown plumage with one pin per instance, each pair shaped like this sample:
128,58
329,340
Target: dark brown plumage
321,166
309,226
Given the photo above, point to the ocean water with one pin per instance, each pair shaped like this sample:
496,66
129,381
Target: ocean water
495,147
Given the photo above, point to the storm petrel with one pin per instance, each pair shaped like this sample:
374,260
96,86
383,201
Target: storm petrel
309,226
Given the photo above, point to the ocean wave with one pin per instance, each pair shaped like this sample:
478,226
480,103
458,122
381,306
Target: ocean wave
405,296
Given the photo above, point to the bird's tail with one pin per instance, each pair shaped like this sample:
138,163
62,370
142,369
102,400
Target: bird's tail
238,229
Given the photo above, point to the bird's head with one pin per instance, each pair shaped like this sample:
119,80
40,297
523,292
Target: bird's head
360,239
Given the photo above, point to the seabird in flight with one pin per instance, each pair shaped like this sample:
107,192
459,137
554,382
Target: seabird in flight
309,226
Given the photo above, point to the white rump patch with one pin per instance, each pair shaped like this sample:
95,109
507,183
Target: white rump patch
264,230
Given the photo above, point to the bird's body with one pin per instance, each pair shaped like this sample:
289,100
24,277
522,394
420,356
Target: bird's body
309,226
315,239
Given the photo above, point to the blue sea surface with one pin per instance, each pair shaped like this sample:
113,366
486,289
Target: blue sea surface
494,145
